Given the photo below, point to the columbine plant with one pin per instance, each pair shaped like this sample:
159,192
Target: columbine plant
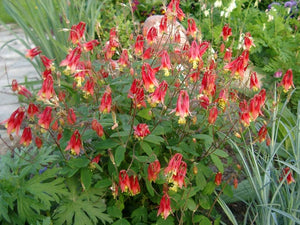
147,117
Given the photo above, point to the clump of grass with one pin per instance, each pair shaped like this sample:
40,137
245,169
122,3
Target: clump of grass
4,16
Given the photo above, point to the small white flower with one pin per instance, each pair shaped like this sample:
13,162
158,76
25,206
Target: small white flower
218,3
270,18
203,7
206,13
264,26
231,6
222,13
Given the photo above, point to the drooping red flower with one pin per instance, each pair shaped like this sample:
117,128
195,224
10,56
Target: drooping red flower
141,130
228,55
124,182
48,63
72,59
149,79
165,62
223,99
163,25
22,90
151,35
97,127
213,114
194,54
153,170
248,41
174,11
239,65
218,178
159,94
182,106
164,206
106,101
77,32
254,107
75,143
96,159
208,85
113,39
173,165
26,137
47,90
124,60
178,178
148,53
38,142
204,101
32,110
134,185
226,32
136,93
244,113
89,46
139,45
286,172
15,120
254,84
45,118
31,53
71,117
287,81
192,28
262,133
88,88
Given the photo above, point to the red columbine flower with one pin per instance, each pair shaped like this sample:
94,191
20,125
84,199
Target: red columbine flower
213,113
244,113
159,94
72,59
47,90
124,182
89,46
151,35
22,90
113,39
254,107
173,165
165,62
288,173
226,32
75,143
123,61
228,55
45,118
153,170
194,54
182,106
31,53
96,159
96,126
141,130
48,63
178,178
88,88
262,133
148,75
248,42
223,99
192,28
164,206
254,84
287,81
15,120
218,178
148,53
106,101
136,93
38,142
139,45
163,25
208,86
134,185
76,32
26,137
32,110
71,117
204,101
239,65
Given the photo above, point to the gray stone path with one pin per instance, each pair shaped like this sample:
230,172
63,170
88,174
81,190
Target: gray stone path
12,66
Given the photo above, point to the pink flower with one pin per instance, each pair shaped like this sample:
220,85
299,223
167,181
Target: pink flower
164,206
31,53
192,28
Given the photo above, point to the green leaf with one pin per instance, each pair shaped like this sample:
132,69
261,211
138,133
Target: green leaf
204,201
78,162
119,155
120,134
103,183
106,144
86,178
217,162
168,221
203,220
221,153
121,222
146,147
191,204
149,188
139,215
209,188
114,211
200,180
154,139
144,113
228,191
